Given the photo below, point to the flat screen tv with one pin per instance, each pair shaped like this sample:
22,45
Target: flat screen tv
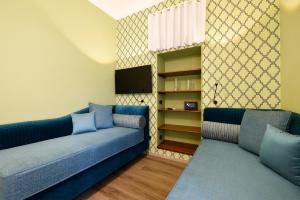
134,80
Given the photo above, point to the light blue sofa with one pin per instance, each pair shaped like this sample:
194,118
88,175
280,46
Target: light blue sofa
224,171
61,165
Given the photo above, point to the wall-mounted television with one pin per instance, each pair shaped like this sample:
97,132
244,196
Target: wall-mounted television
133,80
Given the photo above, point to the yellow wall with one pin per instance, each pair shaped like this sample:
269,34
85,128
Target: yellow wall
55,57
290,54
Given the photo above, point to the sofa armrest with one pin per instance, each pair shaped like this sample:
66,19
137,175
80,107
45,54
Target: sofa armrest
294,124
136,110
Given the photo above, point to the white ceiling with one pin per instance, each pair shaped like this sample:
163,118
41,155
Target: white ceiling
121,8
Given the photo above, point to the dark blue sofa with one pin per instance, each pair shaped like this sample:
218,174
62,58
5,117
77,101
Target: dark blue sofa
35,134
224,171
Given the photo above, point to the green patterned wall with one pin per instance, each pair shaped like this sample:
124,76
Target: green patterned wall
240,52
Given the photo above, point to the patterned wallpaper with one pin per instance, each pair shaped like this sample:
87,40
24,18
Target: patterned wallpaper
240,52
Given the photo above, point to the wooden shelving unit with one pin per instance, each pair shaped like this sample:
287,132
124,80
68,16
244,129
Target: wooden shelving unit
179,91
180,128
178,110
178,147
195,71
179,80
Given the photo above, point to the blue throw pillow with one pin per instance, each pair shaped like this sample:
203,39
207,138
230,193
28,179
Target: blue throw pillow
83,123
254,125
103,115
281,152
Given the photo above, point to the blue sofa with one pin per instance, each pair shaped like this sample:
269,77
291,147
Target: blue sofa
42,160
220,170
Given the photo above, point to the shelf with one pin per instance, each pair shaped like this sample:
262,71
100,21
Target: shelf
180,128
196,71
178,147
179,91
179,110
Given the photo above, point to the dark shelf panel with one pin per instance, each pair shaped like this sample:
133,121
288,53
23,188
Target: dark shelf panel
179,91
178,147
196,71
180,128
178,110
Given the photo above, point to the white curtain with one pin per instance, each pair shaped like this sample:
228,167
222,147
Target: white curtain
177,26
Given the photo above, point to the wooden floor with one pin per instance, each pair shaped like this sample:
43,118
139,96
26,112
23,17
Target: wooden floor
147,178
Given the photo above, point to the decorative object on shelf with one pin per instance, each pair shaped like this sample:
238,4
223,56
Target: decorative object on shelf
190,105
178,110
192,85
179,91
188,84
175,84
171,108
177,26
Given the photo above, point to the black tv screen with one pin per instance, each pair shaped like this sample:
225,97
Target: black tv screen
134,80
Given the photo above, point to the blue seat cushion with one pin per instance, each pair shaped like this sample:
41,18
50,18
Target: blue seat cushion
29,169
221,170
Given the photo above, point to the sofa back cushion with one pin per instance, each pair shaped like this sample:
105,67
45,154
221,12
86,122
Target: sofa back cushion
281,152
22,133
254,125
136,110
103,115
294,127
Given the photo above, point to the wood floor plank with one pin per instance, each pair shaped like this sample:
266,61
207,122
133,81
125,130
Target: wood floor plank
132,189
147,178
151,182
